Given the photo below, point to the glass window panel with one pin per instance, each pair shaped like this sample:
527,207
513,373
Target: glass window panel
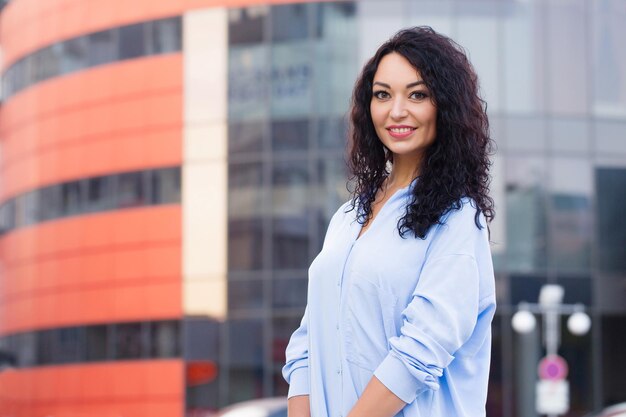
7,83
8,356
100,193
567,65
335,65
37,59
332,133
577,288
523,51
165,339
18,75
97,343
245,193
290,135
202,338
526,239
282,328
290,22
46,64
72,198
245,212
569,135
289,292
27,209
50,205
246,359
246,136
379,21
496,393
245,244
525,133
570,220
246,25
333,190
281,389
165,187
54,60
165,35
291,77
610,208
26,352
128,341
526,288
613,359
477,31
74,55
68,346
610,136
130,190
102,47
132,41
245,294
609,57
608,292
290,207
45,347
248,82
7,216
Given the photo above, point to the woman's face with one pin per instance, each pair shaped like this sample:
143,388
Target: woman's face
403,113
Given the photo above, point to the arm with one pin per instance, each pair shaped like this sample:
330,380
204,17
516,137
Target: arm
299,406
377,401
296,370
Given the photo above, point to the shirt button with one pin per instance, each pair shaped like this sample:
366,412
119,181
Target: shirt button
338,371
337,327
339,283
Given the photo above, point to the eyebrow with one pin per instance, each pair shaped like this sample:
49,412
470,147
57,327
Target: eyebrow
407,86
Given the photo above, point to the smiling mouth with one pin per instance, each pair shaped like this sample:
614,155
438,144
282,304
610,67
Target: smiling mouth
400,132
401,129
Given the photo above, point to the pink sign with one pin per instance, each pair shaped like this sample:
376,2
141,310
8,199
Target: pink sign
552,367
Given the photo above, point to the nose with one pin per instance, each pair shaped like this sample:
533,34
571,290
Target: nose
398,109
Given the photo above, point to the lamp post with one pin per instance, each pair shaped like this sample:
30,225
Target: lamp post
552,390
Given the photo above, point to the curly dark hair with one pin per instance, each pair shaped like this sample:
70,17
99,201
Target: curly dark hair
456,165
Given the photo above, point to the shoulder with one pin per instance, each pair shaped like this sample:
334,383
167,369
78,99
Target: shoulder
463,215
458,232
341,214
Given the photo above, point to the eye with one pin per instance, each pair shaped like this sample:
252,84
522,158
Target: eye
381,95
418,95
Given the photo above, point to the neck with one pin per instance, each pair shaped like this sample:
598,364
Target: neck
405,169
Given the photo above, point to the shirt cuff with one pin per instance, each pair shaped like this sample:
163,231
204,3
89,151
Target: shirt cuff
299,382
393,373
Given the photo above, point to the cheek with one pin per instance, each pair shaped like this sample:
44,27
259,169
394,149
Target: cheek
377,114
428,117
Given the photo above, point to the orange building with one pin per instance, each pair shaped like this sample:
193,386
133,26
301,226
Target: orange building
168,169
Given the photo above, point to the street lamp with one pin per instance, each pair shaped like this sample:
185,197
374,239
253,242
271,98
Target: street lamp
552,391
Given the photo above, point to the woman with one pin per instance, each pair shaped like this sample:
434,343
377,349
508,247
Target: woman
402,295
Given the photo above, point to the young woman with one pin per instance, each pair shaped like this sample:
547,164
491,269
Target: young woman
401,297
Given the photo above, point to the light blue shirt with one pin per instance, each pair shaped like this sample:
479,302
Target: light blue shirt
415,313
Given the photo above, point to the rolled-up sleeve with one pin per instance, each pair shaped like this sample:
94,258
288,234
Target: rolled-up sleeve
296,369
439,319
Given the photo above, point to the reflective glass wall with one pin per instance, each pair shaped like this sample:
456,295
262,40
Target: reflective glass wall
291,70
554,75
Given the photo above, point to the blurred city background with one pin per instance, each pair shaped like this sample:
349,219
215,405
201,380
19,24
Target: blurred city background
168,169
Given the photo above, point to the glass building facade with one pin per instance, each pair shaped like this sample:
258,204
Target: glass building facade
262,124
554,76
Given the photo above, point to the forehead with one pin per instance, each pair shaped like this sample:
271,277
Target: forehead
394,69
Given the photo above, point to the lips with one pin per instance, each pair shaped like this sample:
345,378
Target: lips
400,132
